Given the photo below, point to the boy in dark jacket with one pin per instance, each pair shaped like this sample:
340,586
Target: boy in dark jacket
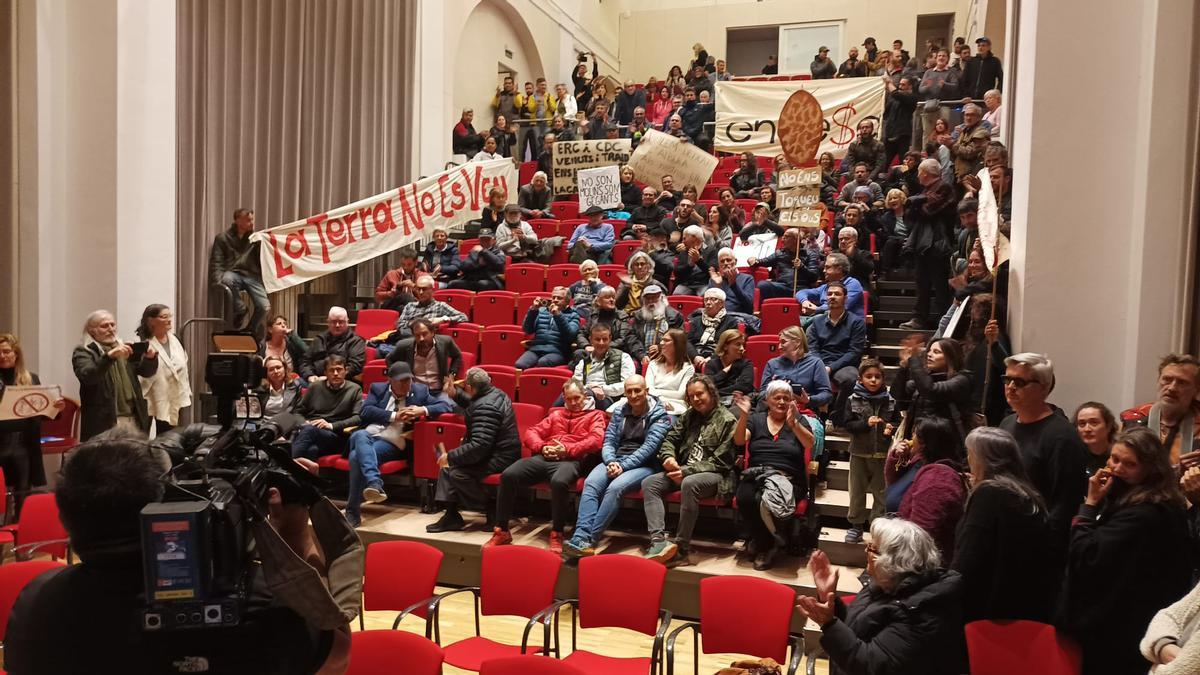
871,416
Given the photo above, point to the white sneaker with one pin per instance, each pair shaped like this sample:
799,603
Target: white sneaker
374,495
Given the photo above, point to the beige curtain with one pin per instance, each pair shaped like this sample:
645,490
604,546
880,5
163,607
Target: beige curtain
287,107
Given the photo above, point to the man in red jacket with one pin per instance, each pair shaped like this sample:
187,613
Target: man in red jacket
561,444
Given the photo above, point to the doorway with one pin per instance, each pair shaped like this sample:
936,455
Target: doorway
936,27
747,49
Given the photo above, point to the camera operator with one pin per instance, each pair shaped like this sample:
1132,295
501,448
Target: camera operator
88,618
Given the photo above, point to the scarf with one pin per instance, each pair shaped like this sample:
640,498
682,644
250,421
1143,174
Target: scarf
881,395
1183,431
635,294
122,386
710,326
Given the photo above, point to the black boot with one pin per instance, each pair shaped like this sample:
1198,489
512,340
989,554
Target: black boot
450,521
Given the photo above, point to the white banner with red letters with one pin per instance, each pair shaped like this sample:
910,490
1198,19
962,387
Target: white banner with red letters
331,241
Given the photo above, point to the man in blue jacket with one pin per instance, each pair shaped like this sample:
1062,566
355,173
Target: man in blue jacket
389,408
637,429
839,338
554,325
813,300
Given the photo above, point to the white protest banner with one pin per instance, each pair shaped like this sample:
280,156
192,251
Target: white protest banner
748,112
660,154
993,242
599,187
20,402
758,246
568,157
796,198
807,177
801,218
327,242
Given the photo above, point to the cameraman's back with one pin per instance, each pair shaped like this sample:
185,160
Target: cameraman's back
88,618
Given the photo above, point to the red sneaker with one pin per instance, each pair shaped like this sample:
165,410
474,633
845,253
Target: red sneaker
499,538
556,540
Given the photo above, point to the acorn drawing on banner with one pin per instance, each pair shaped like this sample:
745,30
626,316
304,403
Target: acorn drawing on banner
801,126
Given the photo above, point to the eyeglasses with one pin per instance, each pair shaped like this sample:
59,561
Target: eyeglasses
1017,382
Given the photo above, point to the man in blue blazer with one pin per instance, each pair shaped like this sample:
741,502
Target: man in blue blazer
390,406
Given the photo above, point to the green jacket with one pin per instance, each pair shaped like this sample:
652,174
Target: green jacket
705,444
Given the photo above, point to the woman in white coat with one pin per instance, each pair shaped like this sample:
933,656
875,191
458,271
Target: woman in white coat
170,389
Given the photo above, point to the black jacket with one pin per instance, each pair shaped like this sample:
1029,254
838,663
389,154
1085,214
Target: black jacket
930,218
696,330
931,395
917,630
449,356
648,216
97,406
27,434
487,264
981,75
492,439
897,115
231,253
447,258
348,345
1054,457
689,274
739,377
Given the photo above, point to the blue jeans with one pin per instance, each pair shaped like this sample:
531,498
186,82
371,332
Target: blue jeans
366,454
601,498
311,442
258,296
530,359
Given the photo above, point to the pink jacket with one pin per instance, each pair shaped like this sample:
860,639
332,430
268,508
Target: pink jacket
580,433
935,502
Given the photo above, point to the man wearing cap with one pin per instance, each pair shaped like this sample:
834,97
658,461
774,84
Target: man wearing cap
852,67
693,261
870,50
592,240
516,238
554,326
650,323
390,407
982,72
481,269
969,144
823,67
628,98
760,224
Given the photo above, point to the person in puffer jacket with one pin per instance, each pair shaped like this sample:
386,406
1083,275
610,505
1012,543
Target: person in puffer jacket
871,416
564,445
554,325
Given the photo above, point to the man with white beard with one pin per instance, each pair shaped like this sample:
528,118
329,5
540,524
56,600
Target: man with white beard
650,322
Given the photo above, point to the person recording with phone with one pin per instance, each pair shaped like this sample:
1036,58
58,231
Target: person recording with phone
554,325
110,394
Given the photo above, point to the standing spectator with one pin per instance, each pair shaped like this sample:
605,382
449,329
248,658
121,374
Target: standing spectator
337,340
554,326
1170,644
567,105
871,417
593,239
504,137
721,74
395,289
540,106
929,217
108,372
868,150
822,67
480,270
464,140
20,439
799,367
504,103
894,225
791,267
938,84
706,325
583,83
234,262
775,476
993,116
432,358
839,339
660,109
693,262
441,256
1003,542
852,67
170,389
545,157
1176,413
490,445
426,307
329,407
691,117
1050,447
1098,430
772,67
938,492
738,287
534,199
697,458
603,368
862,263
628,98
983,72
729,368
1128,534
669,370
932,383
897,117
560,443
701,83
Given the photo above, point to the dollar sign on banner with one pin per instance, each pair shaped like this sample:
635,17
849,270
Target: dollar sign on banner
841,118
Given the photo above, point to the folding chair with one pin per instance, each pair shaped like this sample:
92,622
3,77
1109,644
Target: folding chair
399,576
501,345
494,307
393,652
525,278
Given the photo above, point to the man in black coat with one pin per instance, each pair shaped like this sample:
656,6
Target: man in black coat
481,269
897,119
490,445
109,392
340,340
234,262
930,217
983,72
415,351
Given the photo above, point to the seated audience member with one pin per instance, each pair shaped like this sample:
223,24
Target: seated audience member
490,445
931,383
283,343
760,224
631,196
905,570
729,368
799,367
516,238
717,230
650,322
480,270
234,261
390,408
693,262
109,393
792,266
545,157
738,287
894,229
837,268
330,406
603,368
593,239
1129,533
667,197
338,340
706,325
691,194
839,339
669,370
554,325
1097,429
645,215
489,151
775,475
534,199
736,214
505,138
830,178
679,219
903,176
867,150
432,358
870,416
862,263
395,289
641,275
425,307
584,291
563,445
697,459
464,140
861,178
929,216
441,256
1170,645
604,311
1176,413
662,254
636,429
1003,540
493,212
280,392
1051,450
748,180
936,496
767,196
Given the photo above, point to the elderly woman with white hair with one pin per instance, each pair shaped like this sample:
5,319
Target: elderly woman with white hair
705,326
641,275
991,100
584,291
108,369
738,287
907,620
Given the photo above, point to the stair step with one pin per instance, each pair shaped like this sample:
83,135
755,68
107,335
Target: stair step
892,335
838,475
896,287
833,542
888,354
893,303
836,503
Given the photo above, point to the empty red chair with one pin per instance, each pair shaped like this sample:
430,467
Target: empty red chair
494,307
501,344
465,246
747,205
468,361
426,435
713,190
635,608
742,615
513,581
564,210
547,370
759,350
526,301
609,274
729,161
399,576
541,389
564,274
374,372
526,170
544,227
685,304
623,250
504,378
371,322
528,665
525,278
465,336
61,434
14,577
458,298
1006,647
777,314
39,528
393,652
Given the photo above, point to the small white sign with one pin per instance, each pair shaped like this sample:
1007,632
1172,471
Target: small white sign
600,186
